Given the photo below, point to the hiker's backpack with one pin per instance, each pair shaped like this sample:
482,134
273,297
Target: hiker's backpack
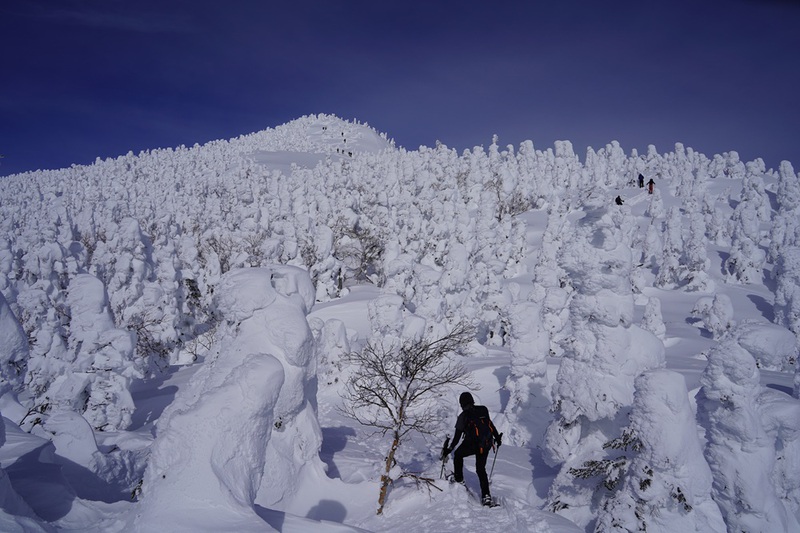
478,428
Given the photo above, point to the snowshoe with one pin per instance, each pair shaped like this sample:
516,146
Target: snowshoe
488,501
452,479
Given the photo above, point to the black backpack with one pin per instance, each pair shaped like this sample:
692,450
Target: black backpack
479,430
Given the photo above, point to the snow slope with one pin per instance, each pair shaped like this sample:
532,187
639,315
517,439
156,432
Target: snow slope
241,307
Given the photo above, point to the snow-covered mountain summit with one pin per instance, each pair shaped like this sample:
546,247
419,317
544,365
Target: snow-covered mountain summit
174,325
325,134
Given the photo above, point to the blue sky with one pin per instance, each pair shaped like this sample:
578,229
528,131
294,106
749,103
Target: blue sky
81,79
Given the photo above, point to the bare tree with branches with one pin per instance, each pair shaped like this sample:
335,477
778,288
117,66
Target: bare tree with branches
394,387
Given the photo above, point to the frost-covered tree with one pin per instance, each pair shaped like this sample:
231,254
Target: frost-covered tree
13,349
741,453
746,258
716,314
734,167
787,292
788,192
754,191
697,262
655,207
652,245
332,343
780,415
44,314
797,381
652,320
671,263
96,383
772,346
716,223
246,423
548,273
602,357
785,230
661,481
530,345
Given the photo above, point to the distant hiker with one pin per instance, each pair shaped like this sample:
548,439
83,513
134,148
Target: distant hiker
618,200
650,186
480,436
641,181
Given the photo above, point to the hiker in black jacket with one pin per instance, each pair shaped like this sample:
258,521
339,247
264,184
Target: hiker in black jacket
480,436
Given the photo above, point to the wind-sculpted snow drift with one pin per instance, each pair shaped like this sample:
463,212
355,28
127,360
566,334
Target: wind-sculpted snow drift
247,422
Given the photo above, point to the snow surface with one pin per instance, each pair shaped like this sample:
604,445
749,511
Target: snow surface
638,336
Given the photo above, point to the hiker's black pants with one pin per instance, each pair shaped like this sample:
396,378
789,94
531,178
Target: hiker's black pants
465,450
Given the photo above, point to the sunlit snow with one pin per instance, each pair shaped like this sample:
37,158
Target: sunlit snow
174,325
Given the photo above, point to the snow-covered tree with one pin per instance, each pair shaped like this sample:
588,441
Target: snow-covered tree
754,191
652,245
13,349
671,263
716,314
740,452
787,292
245,426
96,383
604,355
746,258
772,346
785,230
661,481
652,320
697,262
788,193
655,207
332,343
527,384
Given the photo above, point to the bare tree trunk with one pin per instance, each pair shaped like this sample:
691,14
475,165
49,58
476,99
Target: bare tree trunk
385,478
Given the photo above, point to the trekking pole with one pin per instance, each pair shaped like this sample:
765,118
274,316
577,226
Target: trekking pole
494,460
444,455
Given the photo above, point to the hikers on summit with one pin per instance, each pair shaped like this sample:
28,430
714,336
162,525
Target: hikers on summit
480,436
650,185
641,181
618,200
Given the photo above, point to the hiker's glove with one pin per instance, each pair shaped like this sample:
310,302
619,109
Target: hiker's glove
446,452
498,439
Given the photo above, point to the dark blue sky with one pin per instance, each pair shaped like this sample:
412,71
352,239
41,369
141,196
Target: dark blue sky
81,79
